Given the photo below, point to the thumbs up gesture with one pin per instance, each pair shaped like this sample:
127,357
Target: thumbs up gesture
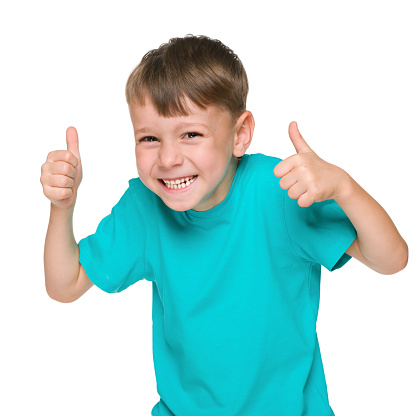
62,172
306,176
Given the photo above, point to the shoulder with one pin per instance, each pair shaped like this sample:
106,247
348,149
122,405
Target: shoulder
259,167
259,161
138,191
143,201
135,183
136,199
258,183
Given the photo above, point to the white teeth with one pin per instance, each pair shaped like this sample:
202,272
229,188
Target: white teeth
179,183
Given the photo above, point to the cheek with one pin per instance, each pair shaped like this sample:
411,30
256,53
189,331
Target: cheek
142,163
208,163
217,159
213,156
142,155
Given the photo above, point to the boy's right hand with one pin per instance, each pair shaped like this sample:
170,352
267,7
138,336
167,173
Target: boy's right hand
62,172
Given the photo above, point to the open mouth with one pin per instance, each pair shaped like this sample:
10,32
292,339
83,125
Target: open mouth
178,183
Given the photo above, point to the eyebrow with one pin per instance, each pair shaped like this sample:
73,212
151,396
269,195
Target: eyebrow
182,125
179,126
142,130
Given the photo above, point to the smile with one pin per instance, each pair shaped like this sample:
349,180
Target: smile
179,183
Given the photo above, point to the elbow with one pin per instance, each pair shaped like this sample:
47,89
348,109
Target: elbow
59,296
399,262
402,263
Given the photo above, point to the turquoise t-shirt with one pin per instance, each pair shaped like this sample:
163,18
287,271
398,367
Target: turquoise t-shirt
235,293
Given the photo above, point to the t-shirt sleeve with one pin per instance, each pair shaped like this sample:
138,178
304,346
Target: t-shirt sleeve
113,257
320,233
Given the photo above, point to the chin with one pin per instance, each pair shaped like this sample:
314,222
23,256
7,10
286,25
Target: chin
178,206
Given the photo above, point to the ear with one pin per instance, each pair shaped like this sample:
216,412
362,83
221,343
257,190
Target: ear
244,129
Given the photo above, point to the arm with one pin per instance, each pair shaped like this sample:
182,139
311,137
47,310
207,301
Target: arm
378,244
65,278
310,179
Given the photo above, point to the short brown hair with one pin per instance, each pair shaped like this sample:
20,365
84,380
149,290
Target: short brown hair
195,67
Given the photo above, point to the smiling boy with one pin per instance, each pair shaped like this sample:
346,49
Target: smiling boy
233,246
201,162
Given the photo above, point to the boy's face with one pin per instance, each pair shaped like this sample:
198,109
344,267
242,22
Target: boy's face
194,151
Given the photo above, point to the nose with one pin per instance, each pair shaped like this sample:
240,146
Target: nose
169,155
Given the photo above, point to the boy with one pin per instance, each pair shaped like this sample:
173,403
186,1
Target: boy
232,243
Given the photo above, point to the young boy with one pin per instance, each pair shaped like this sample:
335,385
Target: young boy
232,243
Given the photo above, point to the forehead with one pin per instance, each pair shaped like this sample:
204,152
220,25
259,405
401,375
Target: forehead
146,114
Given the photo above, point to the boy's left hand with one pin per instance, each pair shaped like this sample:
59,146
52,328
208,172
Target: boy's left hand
306,176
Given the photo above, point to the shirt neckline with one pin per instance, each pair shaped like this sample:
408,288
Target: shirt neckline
226,202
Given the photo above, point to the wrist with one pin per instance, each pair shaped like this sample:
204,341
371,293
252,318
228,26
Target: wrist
346,187
62,212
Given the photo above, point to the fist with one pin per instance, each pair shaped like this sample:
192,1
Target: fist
62,172
306,176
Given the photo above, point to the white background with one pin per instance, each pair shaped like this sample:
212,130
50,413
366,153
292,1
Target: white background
345,71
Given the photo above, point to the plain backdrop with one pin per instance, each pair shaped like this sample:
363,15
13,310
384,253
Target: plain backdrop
345,71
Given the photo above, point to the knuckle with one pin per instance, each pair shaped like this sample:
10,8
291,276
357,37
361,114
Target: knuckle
63,193
51,193
72,160
307,176
52,155
65,181
315,189
67,156
312,178
298,159
66,169
45,168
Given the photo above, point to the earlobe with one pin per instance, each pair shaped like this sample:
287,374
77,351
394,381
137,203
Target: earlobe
244,133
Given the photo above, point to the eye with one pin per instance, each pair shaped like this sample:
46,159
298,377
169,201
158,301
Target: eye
191,135
148,139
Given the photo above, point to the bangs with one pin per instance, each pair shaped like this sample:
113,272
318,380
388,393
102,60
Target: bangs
168,97
192,68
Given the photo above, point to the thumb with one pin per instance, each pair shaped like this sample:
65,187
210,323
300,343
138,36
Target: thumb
72,141
298,141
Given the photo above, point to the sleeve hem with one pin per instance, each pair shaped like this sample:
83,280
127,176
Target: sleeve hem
101,282
338,256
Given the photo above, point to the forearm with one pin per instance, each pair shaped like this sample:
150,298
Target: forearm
60,255
377,237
